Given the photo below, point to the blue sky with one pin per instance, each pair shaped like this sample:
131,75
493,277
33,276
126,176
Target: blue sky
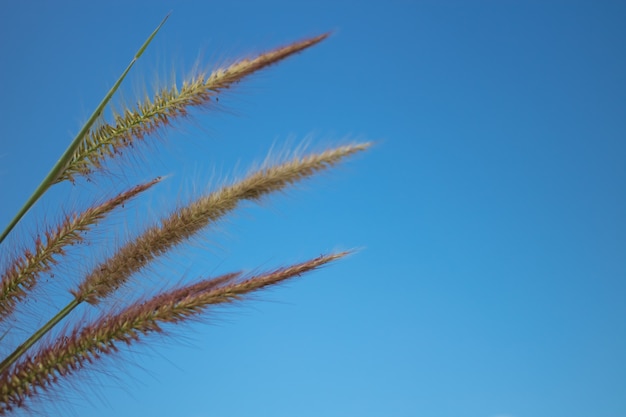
492,276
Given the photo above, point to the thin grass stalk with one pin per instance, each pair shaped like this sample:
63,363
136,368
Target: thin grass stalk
22,273
107,141
85,345
57,173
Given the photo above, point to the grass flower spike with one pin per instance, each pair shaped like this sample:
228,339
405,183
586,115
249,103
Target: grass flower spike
169,104
21,274
184,223
71,341
84,345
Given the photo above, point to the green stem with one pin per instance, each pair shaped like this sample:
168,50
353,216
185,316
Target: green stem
9,360
59,167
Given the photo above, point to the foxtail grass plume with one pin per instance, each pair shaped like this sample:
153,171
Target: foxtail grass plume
20,276
39,363
84,345
169,104
187,221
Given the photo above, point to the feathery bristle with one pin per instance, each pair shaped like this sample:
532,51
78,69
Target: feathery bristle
22,273
189,220
108,140
85,345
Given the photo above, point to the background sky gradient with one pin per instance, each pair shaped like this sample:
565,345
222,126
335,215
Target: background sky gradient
491,279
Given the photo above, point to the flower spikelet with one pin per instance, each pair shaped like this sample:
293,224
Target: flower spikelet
109,140
85,345
21,274
189,220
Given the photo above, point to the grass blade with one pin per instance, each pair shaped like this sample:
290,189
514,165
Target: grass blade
57,170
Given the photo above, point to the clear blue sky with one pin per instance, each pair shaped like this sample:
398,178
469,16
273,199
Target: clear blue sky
491,214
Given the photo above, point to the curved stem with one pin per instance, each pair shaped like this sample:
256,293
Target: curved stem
19,351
